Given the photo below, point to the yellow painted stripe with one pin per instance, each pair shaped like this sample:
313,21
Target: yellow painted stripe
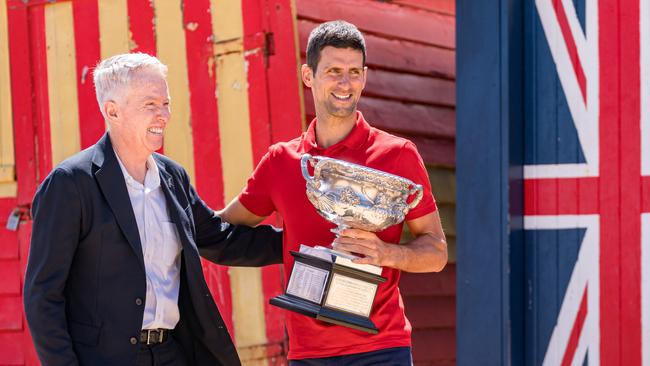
113,27
8,189
170,44
7,161
237,158
62,85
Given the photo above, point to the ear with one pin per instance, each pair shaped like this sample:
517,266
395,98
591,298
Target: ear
111,111
365,76
307,75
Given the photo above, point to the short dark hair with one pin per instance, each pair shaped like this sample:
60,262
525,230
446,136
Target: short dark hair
337,33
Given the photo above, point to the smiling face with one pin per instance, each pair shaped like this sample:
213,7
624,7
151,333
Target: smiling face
337,82
139,114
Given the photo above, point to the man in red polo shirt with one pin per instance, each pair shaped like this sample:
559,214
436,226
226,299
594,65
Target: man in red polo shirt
336,74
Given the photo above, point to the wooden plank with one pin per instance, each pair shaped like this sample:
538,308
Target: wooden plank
448,218
435,151
431,311
38,49
142,26
170,44
234,126
62,83
392,54
7,159
88,54
441,6
424,284
410,88
447,7
402,118
409,119
113,27
407,24
21,90
443,184
434,344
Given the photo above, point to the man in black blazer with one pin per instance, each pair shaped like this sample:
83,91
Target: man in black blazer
114,276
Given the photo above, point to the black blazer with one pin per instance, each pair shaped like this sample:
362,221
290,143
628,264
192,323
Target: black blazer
85,284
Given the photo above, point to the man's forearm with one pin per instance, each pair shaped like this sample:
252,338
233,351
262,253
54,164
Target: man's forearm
426,253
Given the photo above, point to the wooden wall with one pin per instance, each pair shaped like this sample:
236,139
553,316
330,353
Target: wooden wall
411,93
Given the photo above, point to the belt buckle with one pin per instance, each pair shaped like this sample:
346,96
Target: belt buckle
149,340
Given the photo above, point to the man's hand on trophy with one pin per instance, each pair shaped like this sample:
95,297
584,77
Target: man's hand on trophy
368,245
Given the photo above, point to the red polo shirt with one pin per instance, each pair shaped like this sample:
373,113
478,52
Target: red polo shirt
277,185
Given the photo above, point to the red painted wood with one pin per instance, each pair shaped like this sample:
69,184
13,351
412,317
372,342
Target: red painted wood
610,222
436,152
410,88
398,55
283,73
645,194
630,178
431,311
258,99
434,345
8,239
425,284
565,196
86,35
10,282
205,132
410,119
21,91
11,316
41,100
397,117
11,352
142,24
407,24
575,331
572,48
441,6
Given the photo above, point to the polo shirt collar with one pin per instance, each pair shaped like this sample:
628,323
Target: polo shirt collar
354,140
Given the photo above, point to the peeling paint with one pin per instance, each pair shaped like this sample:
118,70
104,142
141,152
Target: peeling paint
84,73
192,26
236,85
211,67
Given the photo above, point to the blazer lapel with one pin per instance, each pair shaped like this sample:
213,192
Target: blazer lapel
176,212
111,181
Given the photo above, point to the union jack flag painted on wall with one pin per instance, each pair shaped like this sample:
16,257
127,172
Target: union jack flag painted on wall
587,182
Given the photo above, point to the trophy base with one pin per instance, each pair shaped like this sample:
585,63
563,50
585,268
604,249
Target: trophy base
324,314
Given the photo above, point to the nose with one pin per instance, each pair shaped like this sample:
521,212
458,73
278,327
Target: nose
164,114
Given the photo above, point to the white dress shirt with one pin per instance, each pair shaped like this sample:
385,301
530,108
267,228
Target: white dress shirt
160,247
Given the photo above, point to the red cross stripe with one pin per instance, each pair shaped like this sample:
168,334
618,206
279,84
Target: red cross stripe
604,71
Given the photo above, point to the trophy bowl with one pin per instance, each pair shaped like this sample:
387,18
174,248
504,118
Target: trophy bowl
351,195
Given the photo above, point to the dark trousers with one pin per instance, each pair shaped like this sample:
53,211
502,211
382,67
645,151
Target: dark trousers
398,356
168,353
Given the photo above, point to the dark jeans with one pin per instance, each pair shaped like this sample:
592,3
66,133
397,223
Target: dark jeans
168,353
399,356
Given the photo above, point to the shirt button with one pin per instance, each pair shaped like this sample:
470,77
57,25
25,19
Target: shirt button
138,301
133,340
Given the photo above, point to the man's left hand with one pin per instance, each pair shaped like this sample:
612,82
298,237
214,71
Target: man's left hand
374,250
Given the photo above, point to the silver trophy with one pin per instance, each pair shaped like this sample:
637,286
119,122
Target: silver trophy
326,284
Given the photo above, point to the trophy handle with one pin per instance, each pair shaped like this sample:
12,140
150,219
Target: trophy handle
416,189
303,166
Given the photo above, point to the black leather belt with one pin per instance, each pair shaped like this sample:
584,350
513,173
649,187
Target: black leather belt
153,336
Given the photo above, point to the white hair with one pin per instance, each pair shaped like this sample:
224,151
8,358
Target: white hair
114,73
